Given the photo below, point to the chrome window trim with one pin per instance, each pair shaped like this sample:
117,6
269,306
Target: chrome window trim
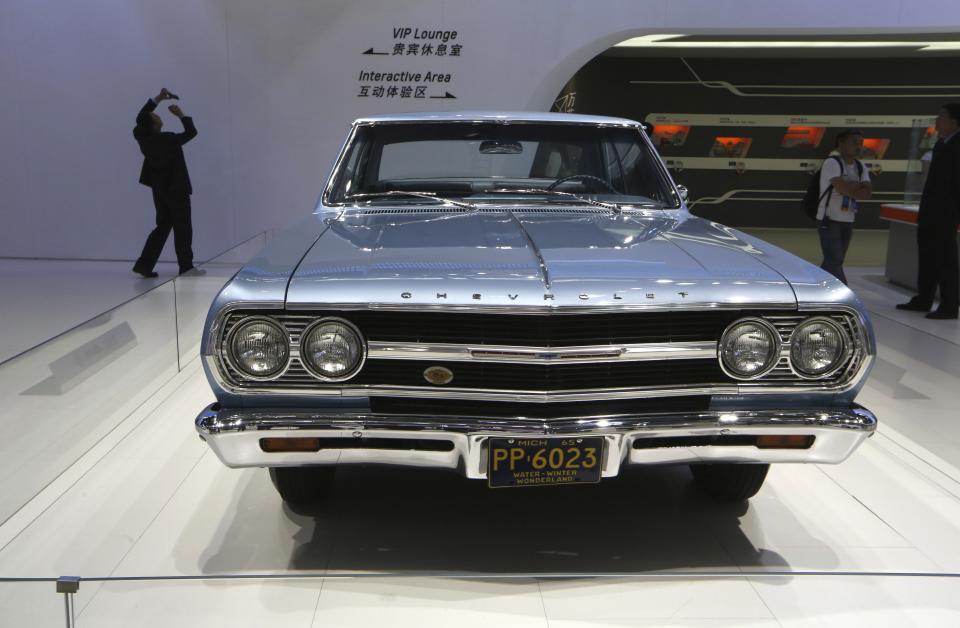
309,368
660,165
778,348
846,354
508,354
227,351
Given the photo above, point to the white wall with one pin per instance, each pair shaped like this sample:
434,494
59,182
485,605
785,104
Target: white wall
273,86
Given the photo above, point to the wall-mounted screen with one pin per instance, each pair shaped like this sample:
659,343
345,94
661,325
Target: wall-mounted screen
874,147
730,146
807,136
670,135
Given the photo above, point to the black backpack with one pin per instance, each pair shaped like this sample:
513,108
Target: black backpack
812,199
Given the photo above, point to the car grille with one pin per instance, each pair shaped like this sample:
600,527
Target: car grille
549,331
556,330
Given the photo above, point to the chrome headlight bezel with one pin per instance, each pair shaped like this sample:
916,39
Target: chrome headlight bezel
776,353
317,373
843,356
228,349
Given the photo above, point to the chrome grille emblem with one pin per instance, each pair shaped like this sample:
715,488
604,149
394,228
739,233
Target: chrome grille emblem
438,375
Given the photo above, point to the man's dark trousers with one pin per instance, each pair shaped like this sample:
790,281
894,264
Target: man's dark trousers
937,264
835,239
173,212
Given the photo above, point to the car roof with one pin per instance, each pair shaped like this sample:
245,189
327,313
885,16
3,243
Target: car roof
495,116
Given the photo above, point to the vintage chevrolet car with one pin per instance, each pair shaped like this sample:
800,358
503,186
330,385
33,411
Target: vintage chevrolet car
525,299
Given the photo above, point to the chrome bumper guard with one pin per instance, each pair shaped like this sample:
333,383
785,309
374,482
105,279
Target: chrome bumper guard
234,435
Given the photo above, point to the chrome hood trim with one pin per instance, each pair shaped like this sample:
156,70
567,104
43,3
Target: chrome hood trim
492,259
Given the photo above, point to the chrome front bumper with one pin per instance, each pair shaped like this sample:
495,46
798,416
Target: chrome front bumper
234,435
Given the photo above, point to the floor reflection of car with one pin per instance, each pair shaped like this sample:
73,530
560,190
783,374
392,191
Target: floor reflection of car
525,300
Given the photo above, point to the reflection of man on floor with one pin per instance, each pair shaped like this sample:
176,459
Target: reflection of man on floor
165,171
937,223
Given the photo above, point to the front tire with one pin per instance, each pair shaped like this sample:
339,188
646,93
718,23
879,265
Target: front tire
303,486
729,481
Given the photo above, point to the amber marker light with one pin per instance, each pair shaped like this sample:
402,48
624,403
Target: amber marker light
790,441
280,445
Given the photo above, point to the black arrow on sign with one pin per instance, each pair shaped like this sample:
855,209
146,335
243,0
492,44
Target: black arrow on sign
447,95
369,51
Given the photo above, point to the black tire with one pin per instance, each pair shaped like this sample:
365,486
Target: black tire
301,486
729,481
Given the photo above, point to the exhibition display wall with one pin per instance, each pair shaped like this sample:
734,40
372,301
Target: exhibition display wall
273,86
745,134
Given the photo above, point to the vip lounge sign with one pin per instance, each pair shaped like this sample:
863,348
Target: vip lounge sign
412,66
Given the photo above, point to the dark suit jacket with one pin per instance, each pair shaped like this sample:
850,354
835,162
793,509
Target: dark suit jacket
940,203
164,167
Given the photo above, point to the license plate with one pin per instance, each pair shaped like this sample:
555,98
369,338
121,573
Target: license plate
543,461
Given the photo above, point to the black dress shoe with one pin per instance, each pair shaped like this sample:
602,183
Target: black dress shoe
913,306
147,274
937,315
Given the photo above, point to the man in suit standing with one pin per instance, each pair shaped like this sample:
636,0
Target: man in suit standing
937,223
165,172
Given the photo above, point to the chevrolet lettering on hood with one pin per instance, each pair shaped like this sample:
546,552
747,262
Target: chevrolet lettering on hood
525,299
476,296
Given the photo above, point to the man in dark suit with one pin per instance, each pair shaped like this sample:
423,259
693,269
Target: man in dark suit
937,223
165,172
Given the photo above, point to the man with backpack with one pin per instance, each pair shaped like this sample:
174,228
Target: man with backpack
843,182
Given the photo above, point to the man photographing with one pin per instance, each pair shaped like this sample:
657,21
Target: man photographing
165,172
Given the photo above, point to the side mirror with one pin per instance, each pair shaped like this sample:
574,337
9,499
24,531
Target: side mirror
684,192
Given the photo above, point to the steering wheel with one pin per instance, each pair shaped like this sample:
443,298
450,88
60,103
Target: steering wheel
589,177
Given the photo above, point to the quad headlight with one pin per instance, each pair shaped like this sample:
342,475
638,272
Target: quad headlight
749,348
332,349
818,347
259,348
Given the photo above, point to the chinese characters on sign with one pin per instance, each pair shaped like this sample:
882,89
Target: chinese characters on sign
411,42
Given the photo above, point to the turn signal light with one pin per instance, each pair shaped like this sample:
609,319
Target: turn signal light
790,441
278,445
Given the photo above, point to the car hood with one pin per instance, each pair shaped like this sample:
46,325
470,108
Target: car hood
564,257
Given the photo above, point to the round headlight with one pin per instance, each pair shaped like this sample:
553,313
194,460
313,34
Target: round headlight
332,349
749,348
259,348
817,347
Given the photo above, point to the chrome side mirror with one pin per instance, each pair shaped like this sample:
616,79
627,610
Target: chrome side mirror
684,192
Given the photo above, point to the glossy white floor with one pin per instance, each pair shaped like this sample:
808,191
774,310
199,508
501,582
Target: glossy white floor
79,290
872,542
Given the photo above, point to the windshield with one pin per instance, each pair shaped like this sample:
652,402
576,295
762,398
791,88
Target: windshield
474,162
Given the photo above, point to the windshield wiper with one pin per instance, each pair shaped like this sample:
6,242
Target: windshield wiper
429,195
614,206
